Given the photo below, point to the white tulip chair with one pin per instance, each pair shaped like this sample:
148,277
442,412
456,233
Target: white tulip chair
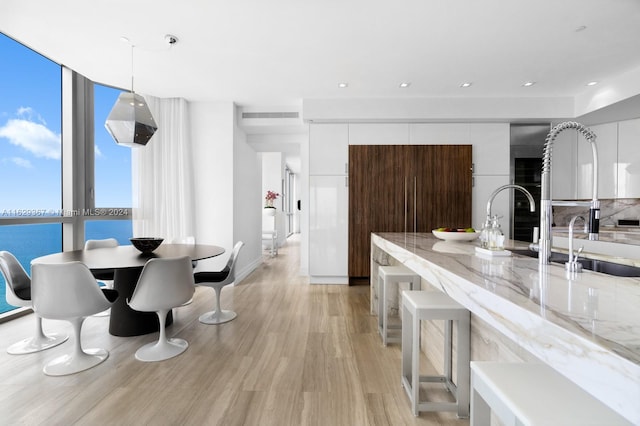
217,280
18,293
164,283
68,291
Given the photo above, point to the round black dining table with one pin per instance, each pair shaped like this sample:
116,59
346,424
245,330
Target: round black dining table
127,263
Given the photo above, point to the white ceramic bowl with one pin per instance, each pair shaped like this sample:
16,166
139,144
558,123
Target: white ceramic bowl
456,236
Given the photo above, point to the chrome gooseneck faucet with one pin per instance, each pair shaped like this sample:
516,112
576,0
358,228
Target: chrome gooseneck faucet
488,236
532,203
546,203
572,265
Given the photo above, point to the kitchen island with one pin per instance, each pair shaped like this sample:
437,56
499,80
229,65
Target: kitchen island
586,326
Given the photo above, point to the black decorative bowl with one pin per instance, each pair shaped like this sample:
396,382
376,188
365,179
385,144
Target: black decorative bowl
146,244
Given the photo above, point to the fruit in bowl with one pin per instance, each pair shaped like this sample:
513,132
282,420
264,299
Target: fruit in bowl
456,234
444,229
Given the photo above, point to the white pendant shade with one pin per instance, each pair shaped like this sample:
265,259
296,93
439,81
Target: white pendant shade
130,122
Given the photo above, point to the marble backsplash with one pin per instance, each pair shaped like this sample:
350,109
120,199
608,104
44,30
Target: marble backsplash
610,212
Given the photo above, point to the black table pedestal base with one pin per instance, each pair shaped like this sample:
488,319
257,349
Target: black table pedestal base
125,321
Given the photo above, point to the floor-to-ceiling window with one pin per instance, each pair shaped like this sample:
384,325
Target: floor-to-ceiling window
35,215
112,175
30,155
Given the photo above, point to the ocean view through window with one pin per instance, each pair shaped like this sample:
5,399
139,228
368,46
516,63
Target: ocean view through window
32,149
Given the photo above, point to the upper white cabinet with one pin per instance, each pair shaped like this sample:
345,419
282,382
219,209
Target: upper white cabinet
564,165
607,146
618,162
439,134
379,134
490,142
490,148
628,165
329,149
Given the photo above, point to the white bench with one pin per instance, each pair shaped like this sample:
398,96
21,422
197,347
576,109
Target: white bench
533,394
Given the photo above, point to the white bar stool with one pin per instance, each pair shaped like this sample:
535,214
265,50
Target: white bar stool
388,275
533,394
435,305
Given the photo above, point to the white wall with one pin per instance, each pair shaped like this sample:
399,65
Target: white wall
226,181
247,206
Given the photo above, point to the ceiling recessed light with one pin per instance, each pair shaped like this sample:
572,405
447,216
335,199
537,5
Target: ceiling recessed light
528,83
405,85
466,84
592,83
343,85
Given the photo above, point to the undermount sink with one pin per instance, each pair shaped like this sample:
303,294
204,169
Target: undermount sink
594,265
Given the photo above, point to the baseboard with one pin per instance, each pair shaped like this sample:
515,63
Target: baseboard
340,280
247,270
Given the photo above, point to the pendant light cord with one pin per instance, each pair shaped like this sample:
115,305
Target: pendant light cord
132,46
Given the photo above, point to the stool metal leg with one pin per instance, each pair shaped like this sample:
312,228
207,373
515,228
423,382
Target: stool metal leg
407,344
463,367
447,367
415,362
380,306
385,314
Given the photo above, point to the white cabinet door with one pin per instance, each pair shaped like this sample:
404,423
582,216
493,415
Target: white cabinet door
490,148
379,134
607,146
328,226
564,165
490,142
439,134
328,149
628,167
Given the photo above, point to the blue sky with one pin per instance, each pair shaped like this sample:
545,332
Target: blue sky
30,134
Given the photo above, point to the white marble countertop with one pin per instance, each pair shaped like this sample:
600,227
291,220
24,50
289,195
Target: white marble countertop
587,326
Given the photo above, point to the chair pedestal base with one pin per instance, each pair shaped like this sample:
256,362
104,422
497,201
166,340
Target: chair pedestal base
161,350
70,364
103,313
37,344
217,317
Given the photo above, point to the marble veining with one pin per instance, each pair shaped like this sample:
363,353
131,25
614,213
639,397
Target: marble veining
586,326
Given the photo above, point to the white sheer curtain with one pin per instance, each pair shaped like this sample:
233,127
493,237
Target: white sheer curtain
163,175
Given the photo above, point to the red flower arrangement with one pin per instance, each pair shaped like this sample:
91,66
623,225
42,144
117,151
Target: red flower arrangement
269,199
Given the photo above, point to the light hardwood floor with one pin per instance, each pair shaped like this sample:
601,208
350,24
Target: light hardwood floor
297,354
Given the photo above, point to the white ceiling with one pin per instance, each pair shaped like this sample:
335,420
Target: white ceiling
278,52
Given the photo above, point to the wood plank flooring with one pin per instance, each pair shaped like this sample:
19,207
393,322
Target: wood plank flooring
297,354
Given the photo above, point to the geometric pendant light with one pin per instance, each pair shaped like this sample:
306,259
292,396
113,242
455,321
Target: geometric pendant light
130,122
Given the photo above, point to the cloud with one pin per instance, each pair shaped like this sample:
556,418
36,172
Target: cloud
30,114
21,162
18,161
32,136
96,151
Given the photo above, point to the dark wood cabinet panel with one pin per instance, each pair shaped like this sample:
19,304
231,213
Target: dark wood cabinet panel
405,188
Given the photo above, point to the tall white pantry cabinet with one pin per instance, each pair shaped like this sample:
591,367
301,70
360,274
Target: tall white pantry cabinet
328,179
328,203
